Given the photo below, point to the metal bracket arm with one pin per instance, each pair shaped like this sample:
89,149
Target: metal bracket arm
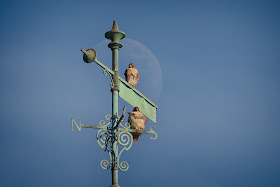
142,131
86,126
125,129
125,82
104,66
138,92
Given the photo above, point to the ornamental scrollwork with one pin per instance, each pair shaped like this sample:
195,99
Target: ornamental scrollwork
123,166
102,122
103,139
125,126
105,72
105,164
120,133
125,139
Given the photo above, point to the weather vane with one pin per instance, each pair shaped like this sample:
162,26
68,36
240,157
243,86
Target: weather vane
119,132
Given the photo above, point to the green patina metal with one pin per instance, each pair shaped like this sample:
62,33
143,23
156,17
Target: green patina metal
104,127
129,93
115,35
138,92
126,91
137,101
104,138
110,137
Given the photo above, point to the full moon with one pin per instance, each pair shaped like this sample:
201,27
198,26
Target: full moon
145,61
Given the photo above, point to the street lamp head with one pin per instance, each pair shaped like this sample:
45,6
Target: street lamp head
89,55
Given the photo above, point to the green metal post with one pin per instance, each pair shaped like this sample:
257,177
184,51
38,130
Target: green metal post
115,35
117,134
115,96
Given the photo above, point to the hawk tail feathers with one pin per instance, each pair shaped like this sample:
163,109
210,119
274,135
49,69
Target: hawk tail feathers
135,136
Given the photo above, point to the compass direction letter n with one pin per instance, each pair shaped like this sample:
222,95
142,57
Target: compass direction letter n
78,127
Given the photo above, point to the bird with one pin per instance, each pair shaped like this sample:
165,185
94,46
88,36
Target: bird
132,75
137,121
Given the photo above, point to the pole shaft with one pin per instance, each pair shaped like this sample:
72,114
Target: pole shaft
115,35
115,57
115,96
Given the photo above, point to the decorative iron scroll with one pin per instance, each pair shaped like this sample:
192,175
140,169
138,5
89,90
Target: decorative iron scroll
106,136
103,138
105,164
125,139
105,73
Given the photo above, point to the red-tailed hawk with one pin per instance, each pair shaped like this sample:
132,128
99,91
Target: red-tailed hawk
132,75
137,121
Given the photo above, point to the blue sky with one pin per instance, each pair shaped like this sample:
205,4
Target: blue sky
217,91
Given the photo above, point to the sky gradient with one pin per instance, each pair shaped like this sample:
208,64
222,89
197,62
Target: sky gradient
217,88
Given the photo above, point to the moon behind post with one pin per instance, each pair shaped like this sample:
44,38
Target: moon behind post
150,83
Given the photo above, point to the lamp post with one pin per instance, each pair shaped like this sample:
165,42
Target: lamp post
118,133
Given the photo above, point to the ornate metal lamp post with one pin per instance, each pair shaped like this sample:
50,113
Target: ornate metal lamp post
110,137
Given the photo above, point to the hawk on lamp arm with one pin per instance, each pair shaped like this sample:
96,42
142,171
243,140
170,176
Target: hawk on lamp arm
132,75
137,121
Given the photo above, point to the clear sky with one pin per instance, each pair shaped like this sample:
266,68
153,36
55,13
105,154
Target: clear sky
217,88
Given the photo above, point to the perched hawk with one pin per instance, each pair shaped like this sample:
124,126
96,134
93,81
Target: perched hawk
137,121
131,75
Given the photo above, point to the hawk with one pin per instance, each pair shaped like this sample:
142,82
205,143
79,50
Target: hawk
131,75
137,121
